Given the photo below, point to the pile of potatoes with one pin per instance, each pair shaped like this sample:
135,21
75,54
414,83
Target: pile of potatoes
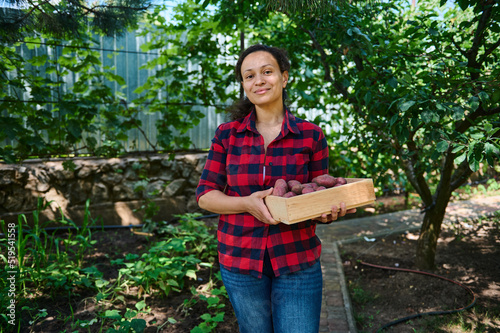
294,187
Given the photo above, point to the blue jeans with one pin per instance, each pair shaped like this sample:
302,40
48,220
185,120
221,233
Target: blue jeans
290,303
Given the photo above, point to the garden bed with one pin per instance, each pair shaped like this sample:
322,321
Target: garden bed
179,312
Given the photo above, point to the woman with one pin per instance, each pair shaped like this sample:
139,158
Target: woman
271,270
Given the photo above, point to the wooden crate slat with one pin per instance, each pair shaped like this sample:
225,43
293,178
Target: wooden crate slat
356,193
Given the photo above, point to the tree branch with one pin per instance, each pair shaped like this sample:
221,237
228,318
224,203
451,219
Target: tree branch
417,178
446,174
460,175
29,12
462,52
489,51
464,125
323,56
481,27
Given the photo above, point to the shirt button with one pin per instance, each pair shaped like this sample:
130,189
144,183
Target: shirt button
271,163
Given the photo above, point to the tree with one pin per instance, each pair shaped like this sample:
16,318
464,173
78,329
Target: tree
420,87
67,18
43,116
423,86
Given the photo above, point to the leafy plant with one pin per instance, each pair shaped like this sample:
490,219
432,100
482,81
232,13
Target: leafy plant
215,315
126,323
163,267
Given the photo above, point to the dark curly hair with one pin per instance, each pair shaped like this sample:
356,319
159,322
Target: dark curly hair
243,107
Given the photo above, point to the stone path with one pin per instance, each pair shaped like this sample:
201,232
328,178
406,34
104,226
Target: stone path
336,313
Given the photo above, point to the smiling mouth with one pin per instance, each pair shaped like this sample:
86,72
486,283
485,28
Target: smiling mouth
261,91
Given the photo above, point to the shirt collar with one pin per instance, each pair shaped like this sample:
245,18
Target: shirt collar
248,123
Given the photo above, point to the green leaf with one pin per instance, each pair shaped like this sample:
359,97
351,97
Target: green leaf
393,82
206,316
219,317
457,148
427,116
477,136
484,97
173,283
491,153
433,32
213,300
393,120
403,134
458,113
368,97
101,283
139,325
140,305
442,146
474,164
32,42
130,314
101,296
406,105
131,256
112,314
198,329
474,103
488,129
92,270
39,60
496,96
191,274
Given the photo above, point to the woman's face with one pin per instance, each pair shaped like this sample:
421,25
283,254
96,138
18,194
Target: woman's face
263,81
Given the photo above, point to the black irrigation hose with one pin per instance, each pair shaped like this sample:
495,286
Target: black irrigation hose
108,227
397,321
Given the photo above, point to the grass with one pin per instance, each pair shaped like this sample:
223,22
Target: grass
477,319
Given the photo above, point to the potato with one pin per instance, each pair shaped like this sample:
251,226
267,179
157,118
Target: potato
280,188
292,183
325,180
341,180
297,189
321,188
313,185
307,189
289,195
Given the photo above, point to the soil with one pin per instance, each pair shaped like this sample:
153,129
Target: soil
469,256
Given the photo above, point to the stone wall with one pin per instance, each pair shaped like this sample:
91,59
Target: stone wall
117,187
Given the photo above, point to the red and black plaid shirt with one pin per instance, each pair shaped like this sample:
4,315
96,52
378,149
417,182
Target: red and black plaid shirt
239,165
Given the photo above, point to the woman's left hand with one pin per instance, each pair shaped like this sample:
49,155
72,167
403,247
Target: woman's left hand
336,213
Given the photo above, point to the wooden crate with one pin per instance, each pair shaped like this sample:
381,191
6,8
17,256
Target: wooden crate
356,193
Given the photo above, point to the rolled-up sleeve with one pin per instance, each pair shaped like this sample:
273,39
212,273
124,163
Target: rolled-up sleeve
213,176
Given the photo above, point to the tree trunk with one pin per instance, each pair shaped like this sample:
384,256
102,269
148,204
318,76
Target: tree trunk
429,234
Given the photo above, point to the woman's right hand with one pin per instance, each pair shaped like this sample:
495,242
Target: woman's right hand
220,203
257,207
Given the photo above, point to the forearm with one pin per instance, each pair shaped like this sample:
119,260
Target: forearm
217,202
